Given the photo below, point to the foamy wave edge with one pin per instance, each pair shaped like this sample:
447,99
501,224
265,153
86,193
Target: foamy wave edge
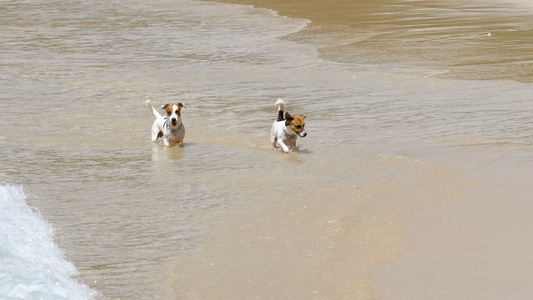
32,266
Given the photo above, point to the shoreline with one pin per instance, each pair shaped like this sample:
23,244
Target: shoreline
461,247
390,160
485,40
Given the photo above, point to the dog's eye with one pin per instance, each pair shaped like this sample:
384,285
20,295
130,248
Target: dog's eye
298,126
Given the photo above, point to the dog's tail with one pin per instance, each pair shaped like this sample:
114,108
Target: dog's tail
154,111
281,104
281,108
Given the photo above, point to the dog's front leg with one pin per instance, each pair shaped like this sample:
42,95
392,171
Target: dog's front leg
283,146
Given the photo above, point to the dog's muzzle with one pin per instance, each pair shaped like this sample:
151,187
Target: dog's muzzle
302,134
174,121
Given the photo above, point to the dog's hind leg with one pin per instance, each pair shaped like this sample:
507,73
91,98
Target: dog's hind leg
156,133
274,141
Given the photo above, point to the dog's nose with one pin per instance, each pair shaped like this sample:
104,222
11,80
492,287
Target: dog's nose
304,134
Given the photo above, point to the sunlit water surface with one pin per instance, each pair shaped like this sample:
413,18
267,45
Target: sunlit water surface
396,127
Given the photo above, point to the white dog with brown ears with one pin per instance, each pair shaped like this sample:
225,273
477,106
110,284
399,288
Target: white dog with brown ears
287,128
170,128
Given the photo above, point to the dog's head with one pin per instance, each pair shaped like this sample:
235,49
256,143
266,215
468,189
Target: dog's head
173,114
296,124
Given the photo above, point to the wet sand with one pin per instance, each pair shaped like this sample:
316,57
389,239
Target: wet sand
315,242
476,246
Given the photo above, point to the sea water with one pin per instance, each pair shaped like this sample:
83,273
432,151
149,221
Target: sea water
399,143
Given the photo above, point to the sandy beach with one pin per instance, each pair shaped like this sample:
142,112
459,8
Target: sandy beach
412,183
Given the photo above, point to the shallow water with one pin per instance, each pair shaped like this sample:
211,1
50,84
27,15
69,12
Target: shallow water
390,140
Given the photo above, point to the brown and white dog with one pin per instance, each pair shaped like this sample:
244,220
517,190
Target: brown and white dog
286,128
170,128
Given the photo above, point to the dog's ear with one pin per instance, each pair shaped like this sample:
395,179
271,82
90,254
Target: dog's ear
164,106
288,116
180,105
288,119
303,116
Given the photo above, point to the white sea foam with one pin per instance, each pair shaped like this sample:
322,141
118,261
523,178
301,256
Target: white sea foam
31,265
